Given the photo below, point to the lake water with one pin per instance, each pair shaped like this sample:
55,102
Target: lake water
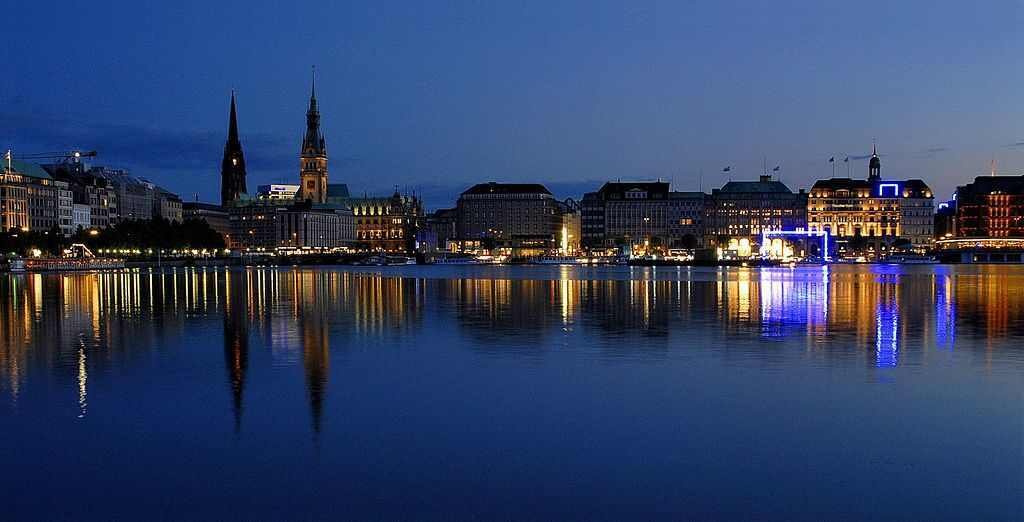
545,392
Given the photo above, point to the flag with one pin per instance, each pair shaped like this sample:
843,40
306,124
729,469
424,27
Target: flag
846,160
727,169
776,169
832,159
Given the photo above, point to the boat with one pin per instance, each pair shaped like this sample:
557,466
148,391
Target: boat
456,260
556,260
383,260
16,265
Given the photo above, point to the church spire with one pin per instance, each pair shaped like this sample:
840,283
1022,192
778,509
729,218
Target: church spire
232,167
233,120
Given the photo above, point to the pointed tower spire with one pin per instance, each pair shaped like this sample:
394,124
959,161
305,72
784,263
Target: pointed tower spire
233,120
232,167
875,164
313,155
312,94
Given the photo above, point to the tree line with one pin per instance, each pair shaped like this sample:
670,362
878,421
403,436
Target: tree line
140,234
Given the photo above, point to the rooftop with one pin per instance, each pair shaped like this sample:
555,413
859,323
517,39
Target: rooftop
760,187
29,169
507,188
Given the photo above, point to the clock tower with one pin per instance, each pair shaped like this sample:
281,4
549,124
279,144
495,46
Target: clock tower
313,157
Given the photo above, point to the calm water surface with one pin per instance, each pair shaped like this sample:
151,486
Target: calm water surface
514,392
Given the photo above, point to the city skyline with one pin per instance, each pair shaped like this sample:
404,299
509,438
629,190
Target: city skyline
626,93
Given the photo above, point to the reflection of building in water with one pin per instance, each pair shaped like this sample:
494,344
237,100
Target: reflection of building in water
887,325
793,302
315,357
494,309
945,313
385,304
236,341
641,306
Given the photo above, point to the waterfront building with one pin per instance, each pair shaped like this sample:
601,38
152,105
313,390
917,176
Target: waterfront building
258,226
94,187
523,217
439,228
13,200
991,207
945,220
80,216
232,168
592,220
167,205
65,207
135,196
740,213
872,215
214,215
570,237
387,224
645,215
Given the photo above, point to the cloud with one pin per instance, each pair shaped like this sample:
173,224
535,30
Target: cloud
146,148
935,150
1017,144
861,157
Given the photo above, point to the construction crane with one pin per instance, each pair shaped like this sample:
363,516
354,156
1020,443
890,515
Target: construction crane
69,156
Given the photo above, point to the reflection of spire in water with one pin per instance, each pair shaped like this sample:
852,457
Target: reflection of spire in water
312,324
315,354
236,342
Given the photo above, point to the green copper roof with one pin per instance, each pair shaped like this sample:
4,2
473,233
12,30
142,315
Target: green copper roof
29,169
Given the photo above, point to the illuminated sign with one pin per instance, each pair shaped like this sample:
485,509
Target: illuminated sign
894,186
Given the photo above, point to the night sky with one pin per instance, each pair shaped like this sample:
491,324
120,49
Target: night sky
435,96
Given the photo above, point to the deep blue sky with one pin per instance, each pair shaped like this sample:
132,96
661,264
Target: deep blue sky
440,95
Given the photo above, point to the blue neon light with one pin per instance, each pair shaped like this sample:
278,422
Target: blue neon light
894,186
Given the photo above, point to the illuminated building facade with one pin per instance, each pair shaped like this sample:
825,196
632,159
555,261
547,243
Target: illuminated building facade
31,199
522,216
739,212
256,226
643,215
13,201
387,224
991,206
871,215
